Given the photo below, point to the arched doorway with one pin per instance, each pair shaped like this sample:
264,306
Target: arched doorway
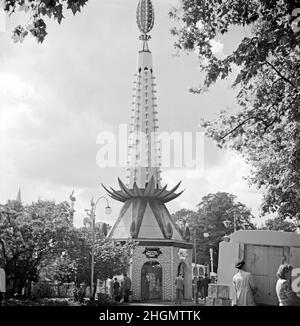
151,281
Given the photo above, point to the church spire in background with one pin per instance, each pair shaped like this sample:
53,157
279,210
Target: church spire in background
19,196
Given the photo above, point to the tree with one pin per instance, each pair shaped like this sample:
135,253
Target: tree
38,11
266,130
29,236
75,265
211,212
277,224
183,217
64,270
112,258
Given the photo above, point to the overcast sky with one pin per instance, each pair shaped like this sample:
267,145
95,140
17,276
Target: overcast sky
56,97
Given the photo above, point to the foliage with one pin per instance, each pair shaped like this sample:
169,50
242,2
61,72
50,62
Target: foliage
64,270
277,224
79,294
75,264
266,130
183,217
112,258
38,10
211,212
40,302
102,300
38,240
30,235
78,248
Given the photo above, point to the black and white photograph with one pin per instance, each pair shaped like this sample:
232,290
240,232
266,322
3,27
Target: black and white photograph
150,157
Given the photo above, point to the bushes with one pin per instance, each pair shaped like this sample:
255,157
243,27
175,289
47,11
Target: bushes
40,302
102,300
79,294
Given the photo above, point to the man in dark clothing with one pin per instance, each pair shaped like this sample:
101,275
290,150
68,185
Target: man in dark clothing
206,281
200,289
179,287
126,287
116,289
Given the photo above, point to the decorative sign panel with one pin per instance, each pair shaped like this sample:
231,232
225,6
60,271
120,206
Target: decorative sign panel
152,252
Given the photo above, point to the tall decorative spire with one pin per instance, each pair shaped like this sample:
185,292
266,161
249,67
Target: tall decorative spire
144,147
144,214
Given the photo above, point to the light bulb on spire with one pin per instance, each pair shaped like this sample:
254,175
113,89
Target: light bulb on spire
145,16
145,21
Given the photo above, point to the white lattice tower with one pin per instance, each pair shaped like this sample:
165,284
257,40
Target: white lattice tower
144,152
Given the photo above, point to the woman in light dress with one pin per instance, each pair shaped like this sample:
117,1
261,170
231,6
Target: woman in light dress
244,288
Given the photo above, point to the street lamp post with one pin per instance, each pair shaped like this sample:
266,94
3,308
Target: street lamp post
228,222
92,215
195,250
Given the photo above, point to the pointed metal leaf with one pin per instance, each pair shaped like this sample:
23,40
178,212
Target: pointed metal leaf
171,196
170,192
160,191
149,191
125,189
137,191
114,194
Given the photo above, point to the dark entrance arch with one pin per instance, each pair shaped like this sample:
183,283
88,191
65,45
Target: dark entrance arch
151,281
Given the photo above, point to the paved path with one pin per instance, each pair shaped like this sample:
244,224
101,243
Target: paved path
167,303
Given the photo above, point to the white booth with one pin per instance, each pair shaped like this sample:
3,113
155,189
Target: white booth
263,252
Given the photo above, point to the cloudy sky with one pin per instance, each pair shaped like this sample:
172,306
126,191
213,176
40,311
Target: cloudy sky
56,97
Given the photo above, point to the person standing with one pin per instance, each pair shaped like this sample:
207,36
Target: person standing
206,281
116,288
243,285
286,296
126,287
179,286
194,287
199,288
110,287
2,282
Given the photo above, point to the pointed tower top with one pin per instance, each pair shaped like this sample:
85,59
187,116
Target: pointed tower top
145,16
19,196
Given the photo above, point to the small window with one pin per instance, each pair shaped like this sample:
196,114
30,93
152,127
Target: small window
140,69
